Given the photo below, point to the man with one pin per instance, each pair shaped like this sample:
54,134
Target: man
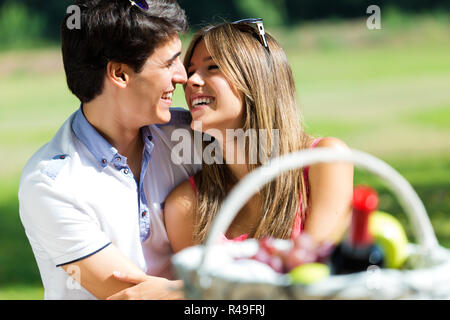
91,199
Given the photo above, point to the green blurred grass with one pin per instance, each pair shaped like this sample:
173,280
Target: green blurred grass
437,117
385,92
19,292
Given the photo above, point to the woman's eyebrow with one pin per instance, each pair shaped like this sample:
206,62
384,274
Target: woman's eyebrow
204,60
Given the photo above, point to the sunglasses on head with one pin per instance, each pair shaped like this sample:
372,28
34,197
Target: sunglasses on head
142,4
260,26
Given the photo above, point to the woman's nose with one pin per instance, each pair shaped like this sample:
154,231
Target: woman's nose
195,80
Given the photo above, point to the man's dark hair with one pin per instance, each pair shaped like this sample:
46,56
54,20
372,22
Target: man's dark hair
114,30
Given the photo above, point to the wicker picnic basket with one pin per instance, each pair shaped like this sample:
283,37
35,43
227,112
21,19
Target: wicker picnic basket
211,271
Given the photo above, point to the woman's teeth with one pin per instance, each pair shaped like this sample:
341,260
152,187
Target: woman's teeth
167,96
201,101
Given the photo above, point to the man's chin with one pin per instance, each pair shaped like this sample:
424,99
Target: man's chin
163,117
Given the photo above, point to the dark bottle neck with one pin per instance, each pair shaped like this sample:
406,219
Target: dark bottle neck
359,231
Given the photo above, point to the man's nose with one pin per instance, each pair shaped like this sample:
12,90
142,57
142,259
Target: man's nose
180,75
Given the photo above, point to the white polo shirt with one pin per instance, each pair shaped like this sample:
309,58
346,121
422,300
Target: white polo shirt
77,195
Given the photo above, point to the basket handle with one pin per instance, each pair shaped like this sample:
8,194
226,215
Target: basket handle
252,183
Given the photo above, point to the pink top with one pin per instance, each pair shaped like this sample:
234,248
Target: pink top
298,223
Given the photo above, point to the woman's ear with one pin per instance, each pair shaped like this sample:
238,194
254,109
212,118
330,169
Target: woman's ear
118,74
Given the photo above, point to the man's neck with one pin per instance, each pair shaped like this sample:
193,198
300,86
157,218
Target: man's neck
105,116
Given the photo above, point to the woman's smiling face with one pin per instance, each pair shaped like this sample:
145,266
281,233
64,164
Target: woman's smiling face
211,98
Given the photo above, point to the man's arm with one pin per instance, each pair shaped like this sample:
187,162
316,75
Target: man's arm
95,274
179,223
67,232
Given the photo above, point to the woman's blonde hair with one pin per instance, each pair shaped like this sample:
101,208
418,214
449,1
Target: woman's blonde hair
266,84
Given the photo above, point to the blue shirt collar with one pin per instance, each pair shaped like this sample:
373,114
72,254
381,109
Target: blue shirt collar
101,149
147,137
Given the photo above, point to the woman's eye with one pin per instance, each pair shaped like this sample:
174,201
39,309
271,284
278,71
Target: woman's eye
213,67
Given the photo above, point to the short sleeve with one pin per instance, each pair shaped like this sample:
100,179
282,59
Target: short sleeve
54,220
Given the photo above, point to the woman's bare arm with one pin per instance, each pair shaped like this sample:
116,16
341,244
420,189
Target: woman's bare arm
331,192
179,216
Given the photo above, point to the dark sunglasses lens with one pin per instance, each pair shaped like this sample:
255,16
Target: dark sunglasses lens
142,4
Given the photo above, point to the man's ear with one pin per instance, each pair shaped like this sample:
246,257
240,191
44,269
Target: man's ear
118,73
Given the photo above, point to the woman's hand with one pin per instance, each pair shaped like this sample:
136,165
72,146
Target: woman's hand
148,288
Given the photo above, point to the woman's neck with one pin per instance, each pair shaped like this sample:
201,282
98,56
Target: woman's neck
235,157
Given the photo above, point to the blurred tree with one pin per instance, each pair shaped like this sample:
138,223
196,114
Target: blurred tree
19,28
51,10
300,10
274,12
203,12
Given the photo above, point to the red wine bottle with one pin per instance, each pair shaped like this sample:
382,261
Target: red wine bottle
358,251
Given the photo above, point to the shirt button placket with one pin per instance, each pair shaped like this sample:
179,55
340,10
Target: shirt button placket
144,223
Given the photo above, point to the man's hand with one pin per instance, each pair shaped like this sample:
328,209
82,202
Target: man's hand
147,288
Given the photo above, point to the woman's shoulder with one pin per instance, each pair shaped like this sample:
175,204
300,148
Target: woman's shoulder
184,188
181,200
179,216
332,170
329,142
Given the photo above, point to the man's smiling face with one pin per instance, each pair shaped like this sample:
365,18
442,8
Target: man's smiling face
151,89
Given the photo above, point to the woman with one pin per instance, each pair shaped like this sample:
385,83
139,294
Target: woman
237,80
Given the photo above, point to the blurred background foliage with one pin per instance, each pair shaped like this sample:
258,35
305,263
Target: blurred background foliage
385,92
25,23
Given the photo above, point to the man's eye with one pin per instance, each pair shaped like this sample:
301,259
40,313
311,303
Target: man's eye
171,63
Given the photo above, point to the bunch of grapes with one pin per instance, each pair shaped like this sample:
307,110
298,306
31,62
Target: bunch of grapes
303,250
